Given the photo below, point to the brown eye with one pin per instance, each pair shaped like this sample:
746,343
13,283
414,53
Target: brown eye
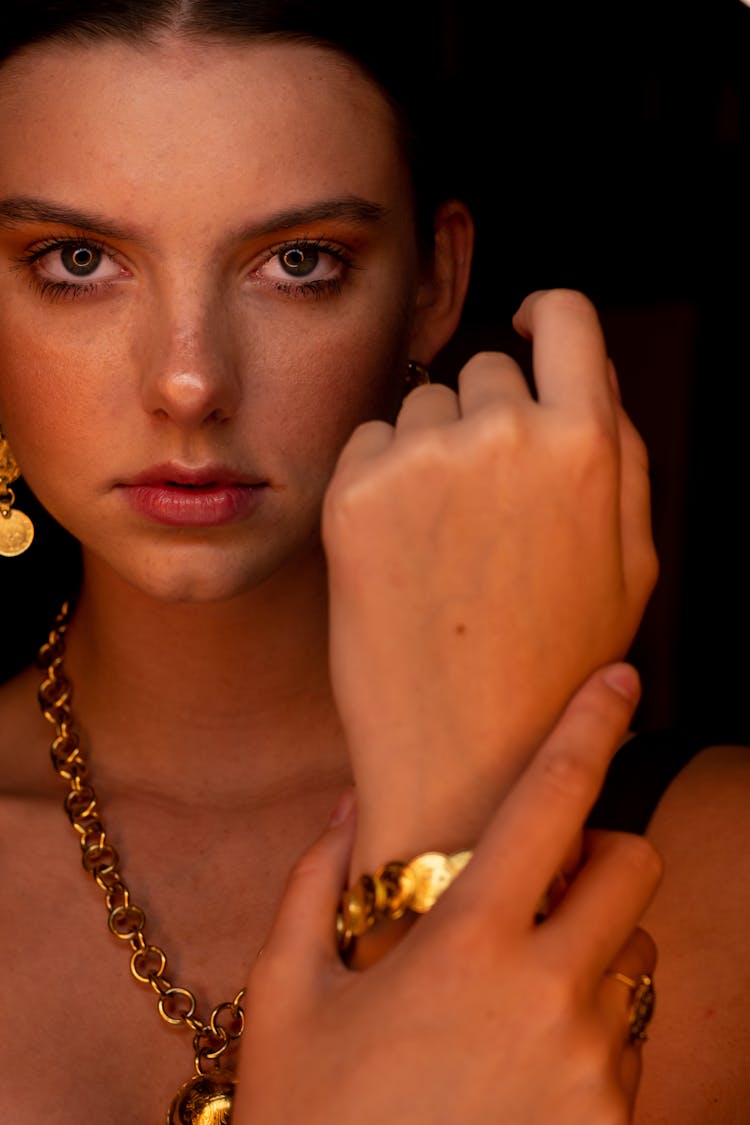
80,260
299,261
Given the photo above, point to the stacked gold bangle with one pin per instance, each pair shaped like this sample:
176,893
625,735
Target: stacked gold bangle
394,889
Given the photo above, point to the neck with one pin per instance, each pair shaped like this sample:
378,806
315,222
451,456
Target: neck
228,697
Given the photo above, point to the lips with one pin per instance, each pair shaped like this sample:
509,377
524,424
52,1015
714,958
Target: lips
174,475
180,496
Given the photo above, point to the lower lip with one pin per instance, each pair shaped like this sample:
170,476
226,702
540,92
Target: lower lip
194,507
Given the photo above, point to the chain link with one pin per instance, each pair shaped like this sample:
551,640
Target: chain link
176,1005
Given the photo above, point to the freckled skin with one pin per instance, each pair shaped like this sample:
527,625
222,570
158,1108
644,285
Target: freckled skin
191,353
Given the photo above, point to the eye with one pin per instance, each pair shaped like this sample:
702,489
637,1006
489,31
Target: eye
299,261
80,260
68,261
306,262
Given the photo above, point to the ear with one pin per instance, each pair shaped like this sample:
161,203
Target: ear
442,291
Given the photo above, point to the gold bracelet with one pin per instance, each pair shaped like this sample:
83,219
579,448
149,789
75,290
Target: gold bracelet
395,888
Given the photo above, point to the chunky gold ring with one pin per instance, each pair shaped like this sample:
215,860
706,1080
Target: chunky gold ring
642,1007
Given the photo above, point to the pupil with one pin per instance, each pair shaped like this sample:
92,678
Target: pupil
299,262
80,260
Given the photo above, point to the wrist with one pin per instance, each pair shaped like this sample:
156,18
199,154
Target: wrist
394,892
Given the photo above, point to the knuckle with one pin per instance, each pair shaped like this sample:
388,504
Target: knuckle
640,855
306,870
589,442
639,451
569,301
349,505
569,772
650,567
434,391
641,573
555,997
500,429
643,949
340,508
481,362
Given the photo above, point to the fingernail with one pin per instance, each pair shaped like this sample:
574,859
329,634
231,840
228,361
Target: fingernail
343,809
624,679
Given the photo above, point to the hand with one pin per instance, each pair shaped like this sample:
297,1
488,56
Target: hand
478,1015
485,555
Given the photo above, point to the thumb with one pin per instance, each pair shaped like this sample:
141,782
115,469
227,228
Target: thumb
304,932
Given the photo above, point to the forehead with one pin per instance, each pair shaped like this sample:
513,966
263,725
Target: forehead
194,123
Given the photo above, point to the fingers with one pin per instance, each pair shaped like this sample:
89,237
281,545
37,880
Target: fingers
617,996
302,938
635,508
563,780
571,369
431,405
367,442
636,956
570,356
491,378
605,902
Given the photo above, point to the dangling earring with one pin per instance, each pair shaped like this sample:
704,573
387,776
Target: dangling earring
417,375
16,529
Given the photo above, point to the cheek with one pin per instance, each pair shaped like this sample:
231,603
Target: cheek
59,420
322,407
53,374
45,402
348,368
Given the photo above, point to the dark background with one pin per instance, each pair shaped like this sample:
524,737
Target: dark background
607,149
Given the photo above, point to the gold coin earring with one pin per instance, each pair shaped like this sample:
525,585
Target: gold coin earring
417,375
16,529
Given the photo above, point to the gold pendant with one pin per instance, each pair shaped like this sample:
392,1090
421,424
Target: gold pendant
205,1099
16,532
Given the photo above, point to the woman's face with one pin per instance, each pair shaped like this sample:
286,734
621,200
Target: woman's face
208,277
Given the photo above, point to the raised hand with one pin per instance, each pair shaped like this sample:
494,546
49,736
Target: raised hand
486,553
479,1015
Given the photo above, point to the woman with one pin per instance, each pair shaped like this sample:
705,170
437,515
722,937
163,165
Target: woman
213,271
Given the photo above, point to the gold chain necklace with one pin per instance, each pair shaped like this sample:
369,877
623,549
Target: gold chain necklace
206,1098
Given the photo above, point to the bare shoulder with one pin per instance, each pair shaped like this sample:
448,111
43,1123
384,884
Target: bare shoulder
695,1068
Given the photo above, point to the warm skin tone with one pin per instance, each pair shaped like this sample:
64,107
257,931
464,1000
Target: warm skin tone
191,332
190,353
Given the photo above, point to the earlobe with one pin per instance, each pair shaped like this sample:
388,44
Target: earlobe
443,290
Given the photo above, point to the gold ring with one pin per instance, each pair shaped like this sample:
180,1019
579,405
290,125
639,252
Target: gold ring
642,1007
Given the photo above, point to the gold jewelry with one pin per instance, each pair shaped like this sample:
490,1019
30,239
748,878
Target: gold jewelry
417,375
16,529
207,1096
395,888
642,1006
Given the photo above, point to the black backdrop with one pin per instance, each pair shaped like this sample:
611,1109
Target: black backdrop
606,148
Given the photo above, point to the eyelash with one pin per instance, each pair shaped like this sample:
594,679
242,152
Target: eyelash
59,290
323,287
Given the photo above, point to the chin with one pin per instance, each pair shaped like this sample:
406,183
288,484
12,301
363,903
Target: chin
193,574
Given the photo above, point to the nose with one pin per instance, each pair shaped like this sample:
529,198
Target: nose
191,375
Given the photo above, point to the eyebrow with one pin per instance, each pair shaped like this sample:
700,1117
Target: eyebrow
353,208
27,209
16,210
